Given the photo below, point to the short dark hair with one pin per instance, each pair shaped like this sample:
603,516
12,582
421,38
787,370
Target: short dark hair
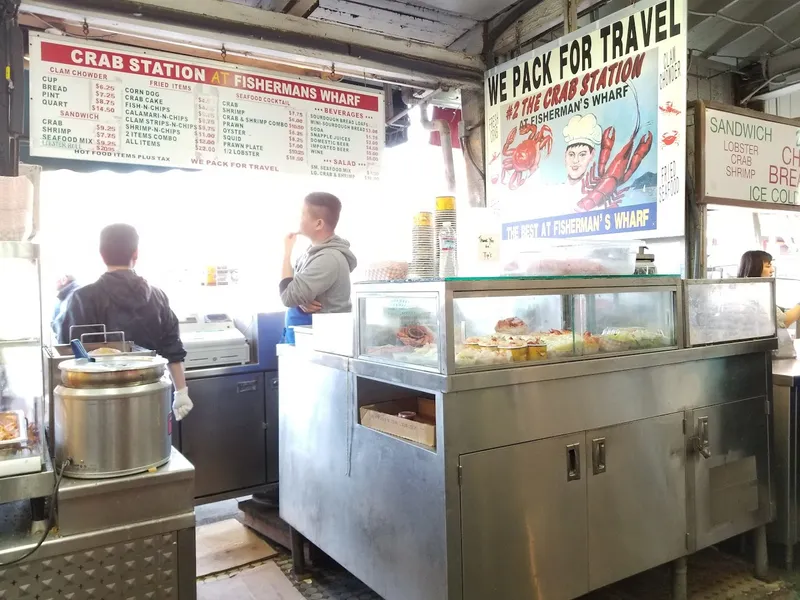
752,263
118,244
326,207
579,144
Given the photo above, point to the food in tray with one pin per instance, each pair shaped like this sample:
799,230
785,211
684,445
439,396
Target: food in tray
104,351
427,355
632,338
10,426
591,343
386,350
511,326
415,336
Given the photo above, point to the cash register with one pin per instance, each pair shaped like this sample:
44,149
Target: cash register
213,340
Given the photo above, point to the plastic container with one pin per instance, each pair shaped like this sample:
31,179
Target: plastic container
577,258
448,267
537,352
516,353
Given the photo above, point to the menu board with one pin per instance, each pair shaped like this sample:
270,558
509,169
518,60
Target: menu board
750,159
95,101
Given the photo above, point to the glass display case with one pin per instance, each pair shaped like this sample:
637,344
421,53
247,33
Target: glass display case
21,382
729,310
451,326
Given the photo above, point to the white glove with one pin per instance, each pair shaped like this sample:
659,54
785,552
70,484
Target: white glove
181,403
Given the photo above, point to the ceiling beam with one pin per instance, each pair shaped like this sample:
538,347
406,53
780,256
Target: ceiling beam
284,38
301,8
543,17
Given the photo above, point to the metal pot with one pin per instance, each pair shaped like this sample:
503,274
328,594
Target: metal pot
113,431
106,371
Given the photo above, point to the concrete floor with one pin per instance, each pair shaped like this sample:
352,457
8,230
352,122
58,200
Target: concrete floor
713,575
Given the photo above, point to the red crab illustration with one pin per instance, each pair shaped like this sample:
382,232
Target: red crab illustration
523,160
669,109
495,156
669,138
601,187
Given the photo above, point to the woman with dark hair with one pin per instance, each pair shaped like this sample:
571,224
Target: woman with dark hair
757,263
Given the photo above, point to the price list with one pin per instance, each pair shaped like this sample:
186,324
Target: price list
206,111
94,101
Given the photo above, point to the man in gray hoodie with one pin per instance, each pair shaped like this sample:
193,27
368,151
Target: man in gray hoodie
320,280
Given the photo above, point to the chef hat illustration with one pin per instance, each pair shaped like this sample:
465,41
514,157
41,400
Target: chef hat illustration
583,130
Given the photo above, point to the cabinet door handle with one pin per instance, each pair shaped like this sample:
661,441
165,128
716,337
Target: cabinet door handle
702,443
573,462
243,387
599,456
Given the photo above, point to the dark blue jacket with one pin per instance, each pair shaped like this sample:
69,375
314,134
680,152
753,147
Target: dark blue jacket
123,301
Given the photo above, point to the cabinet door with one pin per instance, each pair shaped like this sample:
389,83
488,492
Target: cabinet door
732,478
523,521
224,436
273,419
637,495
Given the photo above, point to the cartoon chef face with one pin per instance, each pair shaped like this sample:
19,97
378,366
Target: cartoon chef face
582,135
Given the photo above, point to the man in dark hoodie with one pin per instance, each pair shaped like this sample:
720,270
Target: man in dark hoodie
320,280
123,301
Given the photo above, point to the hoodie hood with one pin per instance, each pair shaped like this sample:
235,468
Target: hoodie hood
335,243
125,288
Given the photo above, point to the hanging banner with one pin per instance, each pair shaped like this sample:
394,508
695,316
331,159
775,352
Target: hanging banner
94,101
748,158
585,136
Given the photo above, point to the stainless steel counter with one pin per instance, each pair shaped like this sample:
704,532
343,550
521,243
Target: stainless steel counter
785,530
546,481
134,534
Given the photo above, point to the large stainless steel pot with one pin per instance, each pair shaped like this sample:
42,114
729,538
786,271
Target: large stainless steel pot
120,429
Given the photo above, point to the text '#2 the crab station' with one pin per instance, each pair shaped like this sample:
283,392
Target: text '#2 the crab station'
618,41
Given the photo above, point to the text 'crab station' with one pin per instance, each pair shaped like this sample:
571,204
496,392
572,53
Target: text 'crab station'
620,39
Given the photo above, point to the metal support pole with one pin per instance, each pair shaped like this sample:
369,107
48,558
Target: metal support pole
679,587
761,554
11,91
298,553
570,16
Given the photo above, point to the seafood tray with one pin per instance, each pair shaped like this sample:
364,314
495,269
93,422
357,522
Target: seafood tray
13,428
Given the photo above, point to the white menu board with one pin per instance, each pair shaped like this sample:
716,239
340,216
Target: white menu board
95,101
750,159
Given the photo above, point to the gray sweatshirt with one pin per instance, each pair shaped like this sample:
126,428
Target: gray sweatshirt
322,274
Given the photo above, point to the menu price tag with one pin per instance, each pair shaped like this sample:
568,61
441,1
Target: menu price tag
102,102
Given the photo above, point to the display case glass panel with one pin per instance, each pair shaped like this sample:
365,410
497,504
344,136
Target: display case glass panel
400,329
627,321
519,330
729,310
504,331
21,382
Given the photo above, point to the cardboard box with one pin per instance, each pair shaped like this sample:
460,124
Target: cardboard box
383,417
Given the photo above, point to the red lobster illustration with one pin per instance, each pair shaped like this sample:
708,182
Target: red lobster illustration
669,109
523,160
601,187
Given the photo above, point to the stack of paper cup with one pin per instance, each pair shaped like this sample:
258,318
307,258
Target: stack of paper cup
445,213
423,249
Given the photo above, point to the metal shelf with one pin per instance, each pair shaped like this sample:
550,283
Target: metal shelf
23,250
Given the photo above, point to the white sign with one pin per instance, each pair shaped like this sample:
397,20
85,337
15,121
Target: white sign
488,248
93,101
585,136
750,159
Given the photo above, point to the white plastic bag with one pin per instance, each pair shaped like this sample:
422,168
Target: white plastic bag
785,345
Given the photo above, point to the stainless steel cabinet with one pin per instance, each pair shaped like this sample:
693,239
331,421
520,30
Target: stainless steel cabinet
523,516
272,419
635,471
225,435
729,462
